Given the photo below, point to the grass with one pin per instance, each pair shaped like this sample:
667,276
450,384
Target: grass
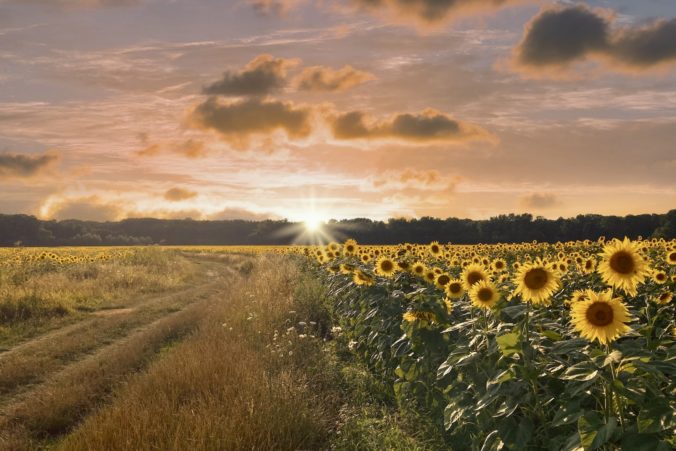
246,360
36,296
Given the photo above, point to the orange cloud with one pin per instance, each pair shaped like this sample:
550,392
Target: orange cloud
89,208
321,78
179,194
559,37
428,13
261,76
539,201
237,121
276,7
425,127
25,166
189,148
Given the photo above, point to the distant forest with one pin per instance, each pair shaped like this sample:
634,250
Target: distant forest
23,230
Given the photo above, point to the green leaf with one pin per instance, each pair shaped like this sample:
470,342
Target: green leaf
552,335
593,432
516,433
651,417
509,344
580,372
568,413
643,442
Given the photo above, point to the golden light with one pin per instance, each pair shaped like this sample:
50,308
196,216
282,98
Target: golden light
312,223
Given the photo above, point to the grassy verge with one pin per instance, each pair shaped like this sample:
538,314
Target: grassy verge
263,371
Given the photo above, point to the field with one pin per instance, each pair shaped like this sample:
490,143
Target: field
343,346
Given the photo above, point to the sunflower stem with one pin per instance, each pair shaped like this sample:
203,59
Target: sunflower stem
614,397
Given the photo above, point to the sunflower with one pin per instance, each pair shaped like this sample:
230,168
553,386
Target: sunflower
578,295
623,266
347,268
449,305
435,248
442,280
600,317
365,258
664,297
350,247
483,294
499,265
454,289
536,282
660,276
472,274
588,266
419,269
430,276
361,278
424,318
386,267
671,257
404,265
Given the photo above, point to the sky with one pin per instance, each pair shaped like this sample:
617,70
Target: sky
301,109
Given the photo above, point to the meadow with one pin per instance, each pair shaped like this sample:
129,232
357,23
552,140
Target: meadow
340,346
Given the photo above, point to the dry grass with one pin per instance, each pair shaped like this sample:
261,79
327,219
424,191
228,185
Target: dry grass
37,295
231,385
57,405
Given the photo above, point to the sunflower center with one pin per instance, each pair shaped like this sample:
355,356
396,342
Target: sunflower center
455,287
386,266
535,278
622,262
474,277
499,265
435,249
600,314
443,279
485,294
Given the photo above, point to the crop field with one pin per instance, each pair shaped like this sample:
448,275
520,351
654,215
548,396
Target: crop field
339,346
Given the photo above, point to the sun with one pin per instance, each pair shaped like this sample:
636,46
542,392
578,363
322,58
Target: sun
312,223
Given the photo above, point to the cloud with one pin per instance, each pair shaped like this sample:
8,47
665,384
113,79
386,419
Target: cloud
241,213
429,12
321,78
237,121
90,208
24,166
274,7
261,76
179,194
411,179
558,37
190,148
427,126
539,201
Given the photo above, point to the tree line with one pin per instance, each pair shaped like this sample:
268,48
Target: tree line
24,230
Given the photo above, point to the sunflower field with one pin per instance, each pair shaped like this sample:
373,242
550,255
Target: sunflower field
517,346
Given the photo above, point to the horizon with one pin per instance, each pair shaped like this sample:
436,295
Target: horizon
269,109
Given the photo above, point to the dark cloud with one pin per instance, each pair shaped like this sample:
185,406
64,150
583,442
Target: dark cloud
539,201
429,12
646,46
261,76
428,126
560,36
238,121
320,78
179,194
18,165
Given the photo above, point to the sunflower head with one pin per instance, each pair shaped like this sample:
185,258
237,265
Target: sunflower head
622,265
435,248
536,282
664,297
454,289
442,280
660,276
350,247
484,294
671,257
600,317
473,274
386,267
419,269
